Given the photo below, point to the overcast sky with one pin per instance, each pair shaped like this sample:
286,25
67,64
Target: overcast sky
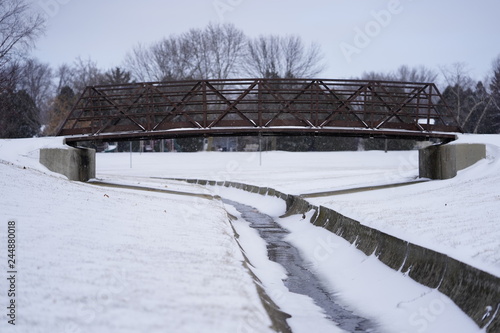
355,35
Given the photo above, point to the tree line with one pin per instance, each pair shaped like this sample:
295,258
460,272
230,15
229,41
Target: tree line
35,98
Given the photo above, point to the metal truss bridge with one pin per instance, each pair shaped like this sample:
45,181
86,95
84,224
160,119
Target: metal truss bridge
260,106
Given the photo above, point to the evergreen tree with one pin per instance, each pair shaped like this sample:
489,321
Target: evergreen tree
59,109
494,116
19,116
116,76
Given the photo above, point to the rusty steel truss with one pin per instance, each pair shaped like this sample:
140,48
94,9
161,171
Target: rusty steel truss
260,106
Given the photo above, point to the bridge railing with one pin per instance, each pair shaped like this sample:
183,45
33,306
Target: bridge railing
208,106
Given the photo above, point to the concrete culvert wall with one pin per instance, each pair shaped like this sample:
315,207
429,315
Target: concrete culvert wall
473,290
425,266
476,292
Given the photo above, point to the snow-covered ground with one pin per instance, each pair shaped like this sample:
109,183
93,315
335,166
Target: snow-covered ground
388,298
95,259
458,217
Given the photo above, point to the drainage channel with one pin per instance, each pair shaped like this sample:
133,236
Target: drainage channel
299,279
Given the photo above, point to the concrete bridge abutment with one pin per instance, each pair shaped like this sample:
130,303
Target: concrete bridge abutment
444,161
435,162
77,164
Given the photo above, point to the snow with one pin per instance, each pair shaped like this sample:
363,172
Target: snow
118,260
457,217
306,316
363,284
95,259
391,299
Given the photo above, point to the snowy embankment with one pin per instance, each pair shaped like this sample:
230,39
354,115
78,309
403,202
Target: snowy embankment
115,260
458,217
95,259
388,298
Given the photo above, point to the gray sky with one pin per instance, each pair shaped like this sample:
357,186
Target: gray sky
355,35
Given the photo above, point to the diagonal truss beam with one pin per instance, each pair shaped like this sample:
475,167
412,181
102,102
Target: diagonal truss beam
177,108
270,104
119,109
287,104
231,106
345,105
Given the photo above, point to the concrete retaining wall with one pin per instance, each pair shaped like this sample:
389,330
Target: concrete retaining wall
468,154
444,161
75,163
476,292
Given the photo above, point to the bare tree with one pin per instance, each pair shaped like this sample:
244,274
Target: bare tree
18,28
36,80
140,63
459,87
285,57
475,107
404,74
170,59
415,74
300,61
214,52
199,56
263,58
211,53
63,76
84,73
226,49
220,51
164,60
479,106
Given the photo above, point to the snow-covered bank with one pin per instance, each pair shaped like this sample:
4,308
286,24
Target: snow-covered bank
457,217
93,259
391,299
306,316
91,268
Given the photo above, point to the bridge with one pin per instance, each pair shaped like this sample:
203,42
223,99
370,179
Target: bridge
235,107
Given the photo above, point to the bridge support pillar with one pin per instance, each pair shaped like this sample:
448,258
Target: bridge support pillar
75,163
444,161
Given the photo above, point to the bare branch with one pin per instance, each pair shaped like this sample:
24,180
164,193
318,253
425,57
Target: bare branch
276,56
18,28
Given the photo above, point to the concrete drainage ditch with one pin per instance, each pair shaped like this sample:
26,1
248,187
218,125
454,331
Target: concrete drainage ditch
300,280
476,292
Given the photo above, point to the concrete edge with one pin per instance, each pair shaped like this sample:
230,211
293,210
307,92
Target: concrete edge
474,291
276,315
76,164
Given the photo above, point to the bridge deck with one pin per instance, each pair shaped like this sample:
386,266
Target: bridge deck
265,106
